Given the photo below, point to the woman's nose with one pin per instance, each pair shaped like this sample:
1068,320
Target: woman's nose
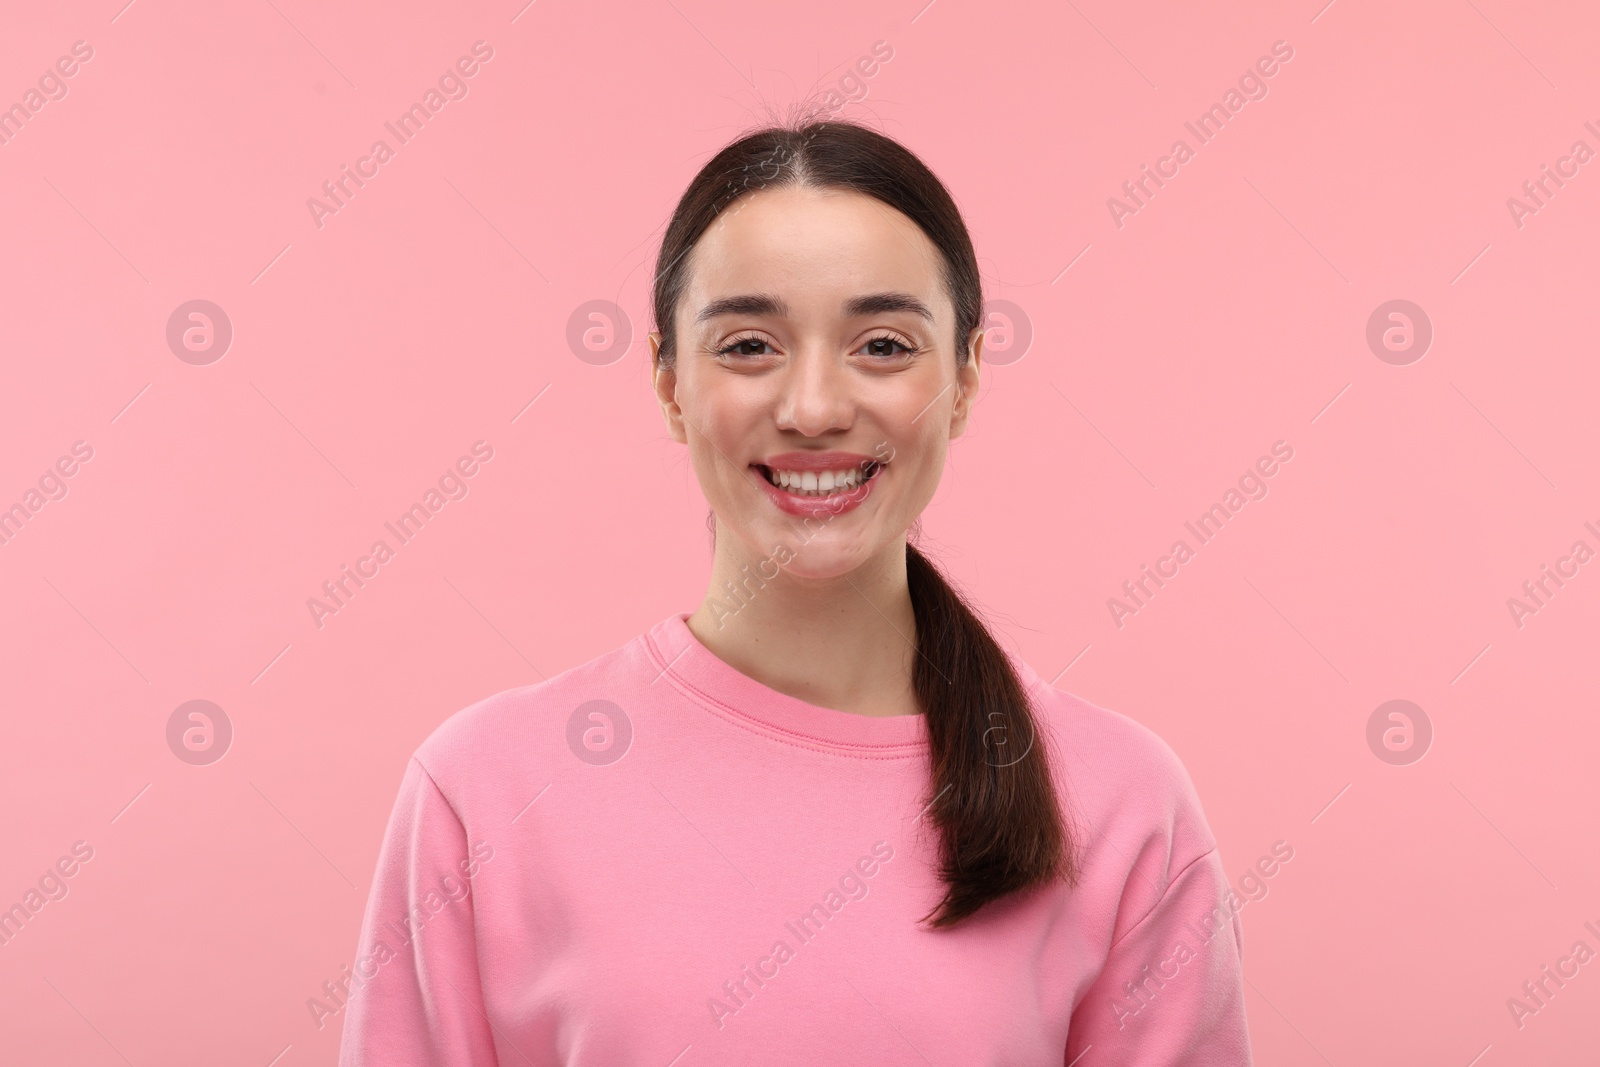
816,394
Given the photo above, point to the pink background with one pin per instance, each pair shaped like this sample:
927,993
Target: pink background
368,354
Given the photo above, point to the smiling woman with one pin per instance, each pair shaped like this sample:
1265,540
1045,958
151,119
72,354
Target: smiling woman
817,349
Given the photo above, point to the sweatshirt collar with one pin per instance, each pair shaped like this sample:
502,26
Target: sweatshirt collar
682,661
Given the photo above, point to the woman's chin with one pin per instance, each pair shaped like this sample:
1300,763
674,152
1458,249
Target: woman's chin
817,573
821,562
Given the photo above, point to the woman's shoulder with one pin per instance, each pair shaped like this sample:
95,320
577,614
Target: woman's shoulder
1125,780
1104,733
1093,728
527,724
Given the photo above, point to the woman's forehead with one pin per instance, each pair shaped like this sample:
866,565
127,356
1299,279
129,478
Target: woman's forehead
813,252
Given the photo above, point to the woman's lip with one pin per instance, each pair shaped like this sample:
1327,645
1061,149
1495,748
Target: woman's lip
814,506
817,461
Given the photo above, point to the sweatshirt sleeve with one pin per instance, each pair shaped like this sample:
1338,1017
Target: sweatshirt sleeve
416,997
1171,993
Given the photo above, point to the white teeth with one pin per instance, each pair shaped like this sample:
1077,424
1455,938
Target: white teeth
819,483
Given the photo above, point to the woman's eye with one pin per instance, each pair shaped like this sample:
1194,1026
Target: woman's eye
885,346
739,347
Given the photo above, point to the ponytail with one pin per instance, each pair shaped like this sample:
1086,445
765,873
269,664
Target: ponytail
993,797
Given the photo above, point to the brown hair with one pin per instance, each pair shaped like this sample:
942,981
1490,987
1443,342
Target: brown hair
1001,828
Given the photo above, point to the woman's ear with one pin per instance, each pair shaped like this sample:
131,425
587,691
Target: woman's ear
967,378
664,381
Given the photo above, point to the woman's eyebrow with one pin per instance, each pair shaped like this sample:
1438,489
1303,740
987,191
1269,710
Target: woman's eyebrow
748,304
877,303
763,304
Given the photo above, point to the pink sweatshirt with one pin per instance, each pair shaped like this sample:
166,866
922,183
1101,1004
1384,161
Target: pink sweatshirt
654,859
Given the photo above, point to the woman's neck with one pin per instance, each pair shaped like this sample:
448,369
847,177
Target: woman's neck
847,643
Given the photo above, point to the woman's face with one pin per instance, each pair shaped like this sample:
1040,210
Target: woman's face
814,346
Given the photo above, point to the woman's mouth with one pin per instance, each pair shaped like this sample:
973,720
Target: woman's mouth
832,491
819,483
